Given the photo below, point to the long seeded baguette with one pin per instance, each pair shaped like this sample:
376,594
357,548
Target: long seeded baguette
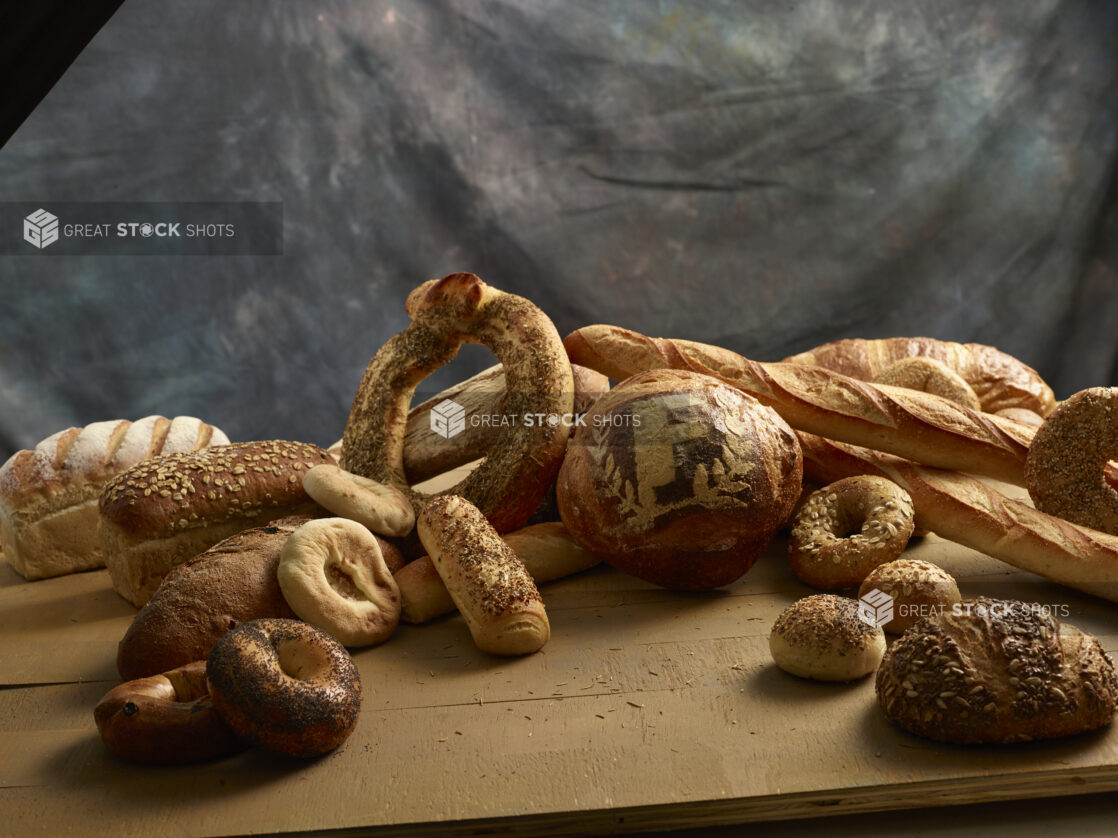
969,512
166,510
908,423
999,380
48,496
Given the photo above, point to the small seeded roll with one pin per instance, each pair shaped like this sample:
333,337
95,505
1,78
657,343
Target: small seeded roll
823,637
333,575
166,719
383,509
489,584
996,671
919,589
930,376
285,685
1066,470
846,529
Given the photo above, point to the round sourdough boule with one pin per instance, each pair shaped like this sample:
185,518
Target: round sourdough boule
166,719
847,528
918,588
1067,465
823,637
286,686
333,575
679,479
381,508
996,671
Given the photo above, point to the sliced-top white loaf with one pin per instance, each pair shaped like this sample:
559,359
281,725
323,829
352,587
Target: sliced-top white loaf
48,496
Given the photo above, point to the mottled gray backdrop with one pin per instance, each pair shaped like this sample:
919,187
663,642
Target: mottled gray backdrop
766,176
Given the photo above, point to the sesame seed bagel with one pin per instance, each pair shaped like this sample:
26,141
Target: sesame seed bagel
1066,469
460,308
996,671
166,719
822,637
285,685
847,528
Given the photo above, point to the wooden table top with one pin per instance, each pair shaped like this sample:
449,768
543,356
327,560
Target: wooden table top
647,710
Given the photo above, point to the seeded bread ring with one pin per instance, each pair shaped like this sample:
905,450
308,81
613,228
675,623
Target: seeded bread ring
846,529
166,719
333,575
285,685
930,376
517,473
823,637
383,509
1066,469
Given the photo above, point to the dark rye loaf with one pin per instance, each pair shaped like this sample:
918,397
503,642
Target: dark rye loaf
165,510
203,598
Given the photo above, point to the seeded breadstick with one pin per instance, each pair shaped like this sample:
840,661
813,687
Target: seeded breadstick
547,550
489,584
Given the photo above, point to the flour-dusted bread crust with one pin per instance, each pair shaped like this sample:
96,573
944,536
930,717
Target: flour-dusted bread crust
168,509
48,495
998,379
909,423
996,671
679,479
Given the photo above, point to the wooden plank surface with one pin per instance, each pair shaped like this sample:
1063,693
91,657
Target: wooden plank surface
648,709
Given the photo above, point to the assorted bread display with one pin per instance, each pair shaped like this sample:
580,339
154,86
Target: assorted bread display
261,568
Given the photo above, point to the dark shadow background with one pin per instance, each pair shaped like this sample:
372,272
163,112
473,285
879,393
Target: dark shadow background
762,176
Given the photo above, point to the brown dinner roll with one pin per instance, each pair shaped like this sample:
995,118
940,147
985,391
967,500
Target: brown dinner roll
996,671
679,479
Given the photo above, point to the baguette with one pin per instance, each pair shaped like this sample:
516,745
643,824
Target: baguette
48,496
166,510
969,512
908,423
547,551
999,380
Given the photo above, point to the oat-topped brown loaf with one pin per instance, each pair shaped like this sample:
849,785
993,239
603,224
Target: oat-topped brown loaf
48,496
168,509
996,671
